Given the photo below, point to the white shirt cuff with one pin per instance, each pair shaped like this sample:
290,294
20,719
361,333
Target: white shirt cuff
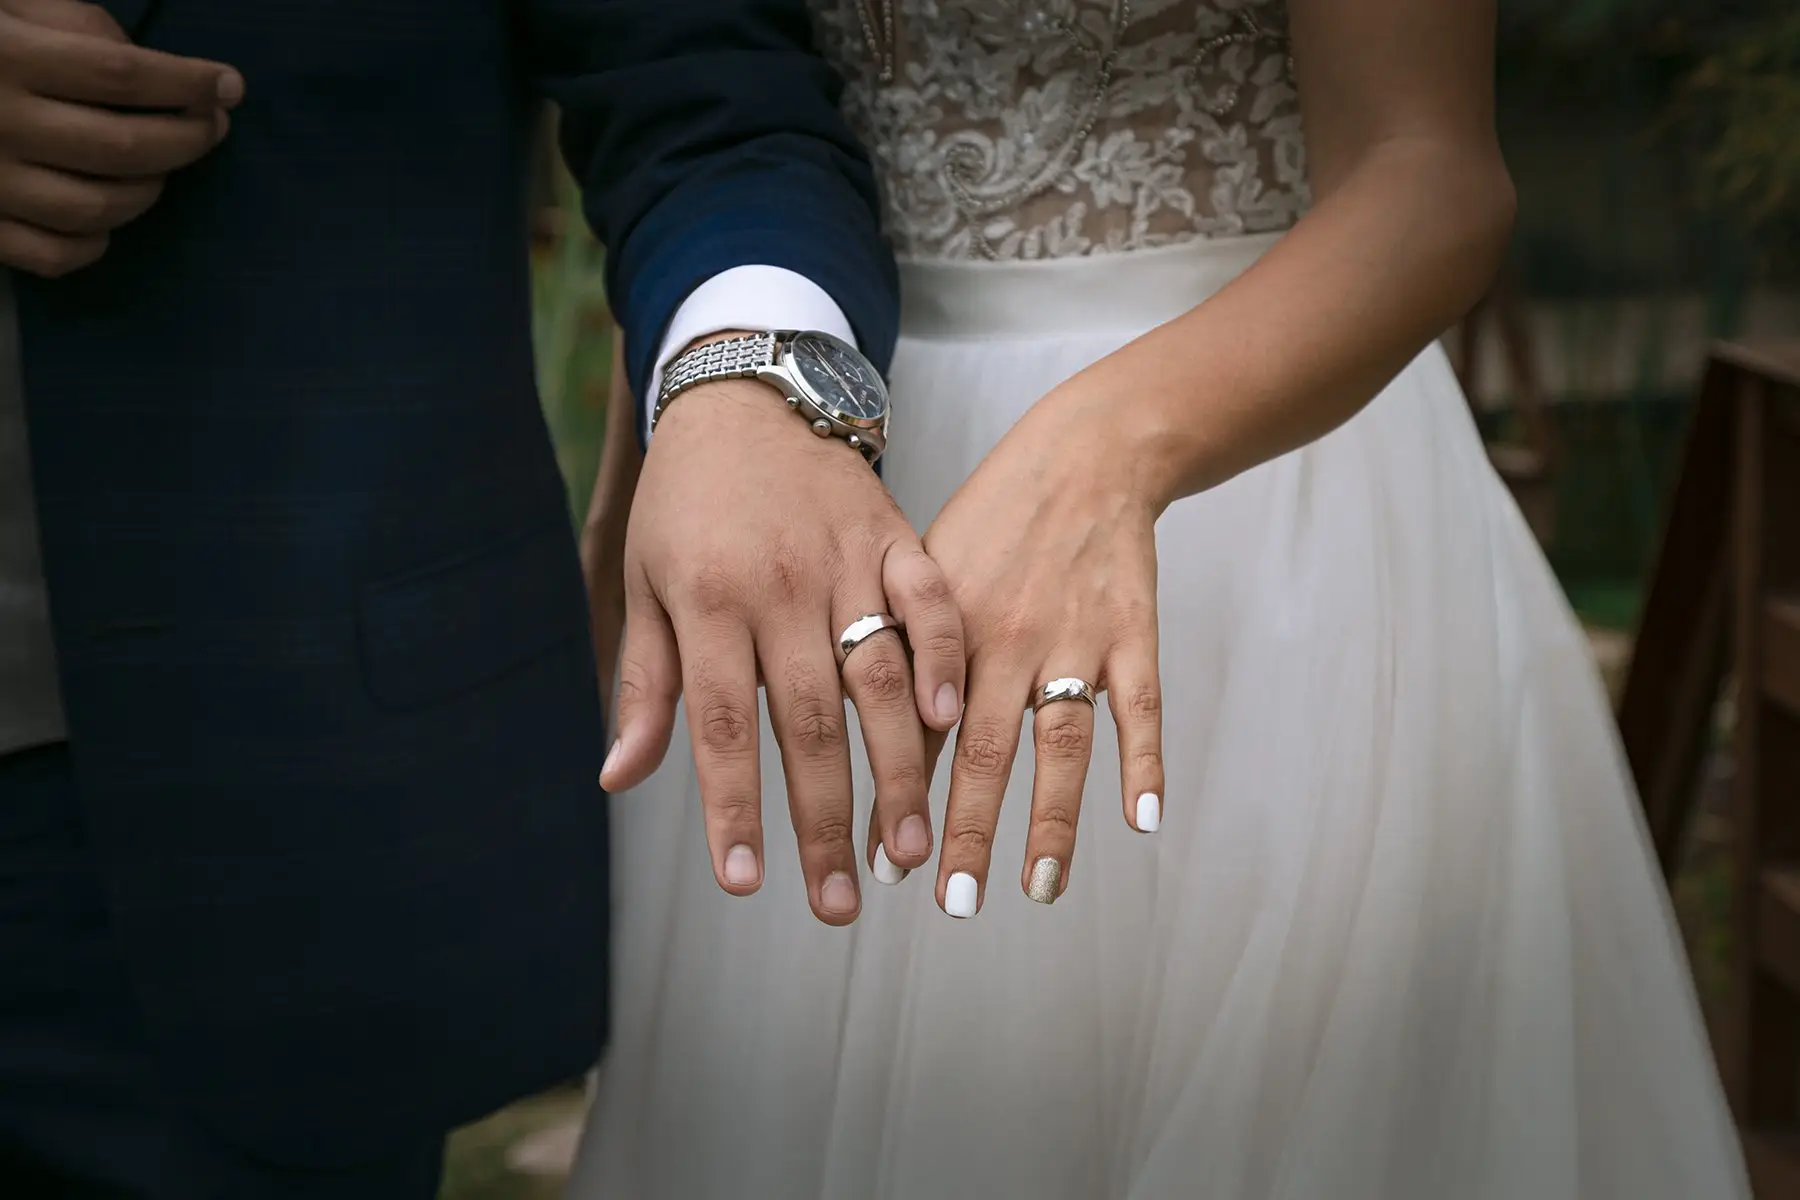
752,298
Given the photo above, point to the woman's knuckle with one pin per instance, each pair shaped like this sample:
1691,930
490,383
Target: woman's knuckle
1144,702
969,834
981,751
1054,817
1147,762
1062,739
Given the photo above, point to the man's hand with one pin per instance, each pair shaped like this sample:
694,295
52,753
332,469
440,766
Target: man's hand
90,125
752,544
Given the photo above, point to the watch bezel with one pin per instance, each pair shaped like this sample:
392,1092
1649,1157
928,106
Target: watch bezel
790,366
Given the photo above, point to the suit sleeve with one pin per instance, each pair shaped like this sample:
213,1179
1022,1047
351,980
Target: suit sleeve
706,136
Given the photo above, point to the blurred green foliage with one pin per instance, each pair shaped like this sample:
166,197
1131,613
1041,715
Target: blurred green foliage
1744,99
572,331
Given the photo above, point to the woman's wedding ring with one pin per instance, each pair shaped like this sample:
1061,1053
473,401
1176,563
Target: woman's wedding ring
861,630
1066,688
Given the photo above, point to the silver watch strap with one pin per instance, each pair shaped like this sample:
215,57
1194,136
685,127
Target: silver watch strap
732,358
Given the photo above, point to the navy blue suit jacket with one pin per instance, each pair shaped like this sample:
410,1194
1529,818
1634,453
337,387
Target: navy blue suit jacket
319,617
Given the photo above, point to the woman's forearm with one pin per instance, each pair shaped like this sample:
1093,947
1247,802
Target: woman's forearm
1404,244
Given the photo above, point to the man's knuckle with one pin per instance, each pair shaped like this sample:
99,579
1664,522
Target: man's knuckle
931,590
813,727
790,575
727,726
941,643
93,19
881,679
713,589
61,256
92,208
123,143
825,829
735,811
903,776
117,67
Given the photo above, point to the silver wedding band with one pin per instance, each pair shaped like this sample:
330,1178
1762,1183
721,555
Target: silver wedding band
1066,688
861,630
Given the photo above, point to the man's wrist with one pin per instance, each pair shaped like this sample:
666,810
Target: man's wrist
746,299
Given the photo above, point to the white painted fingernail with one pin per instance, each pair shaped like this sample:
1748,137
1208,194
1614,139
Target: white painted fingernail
1149,812
959,896
885,871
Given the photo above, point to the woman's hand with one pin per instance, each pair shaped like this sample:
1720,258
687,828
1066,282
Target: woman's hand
1050,550
609,512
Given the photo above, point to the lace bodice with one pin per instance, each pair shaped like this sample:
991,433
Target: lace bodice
1052,128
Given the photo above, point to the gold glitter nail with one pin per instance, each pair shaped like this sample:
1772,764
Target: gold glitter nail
1046,874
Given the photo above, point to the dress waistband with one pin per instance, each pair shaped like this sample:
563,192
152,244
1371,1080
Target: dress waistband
1127,292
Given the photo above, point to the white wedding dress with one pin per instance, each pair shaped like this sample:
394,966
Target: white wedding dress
1398,938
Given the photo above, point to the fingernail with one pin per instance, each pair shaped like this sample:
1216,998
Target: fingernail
740,866
1149,812
838,894
913,837
1046,873
948,707
231,88
612,756
959,896
885,870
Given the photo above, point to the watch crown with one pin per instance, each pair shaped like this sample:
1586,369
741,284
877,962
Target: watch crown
822,428
793,402
855,441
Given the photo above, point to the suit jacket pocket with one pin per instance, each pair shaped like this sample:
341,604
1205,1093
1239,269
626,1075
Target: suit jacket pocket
436,632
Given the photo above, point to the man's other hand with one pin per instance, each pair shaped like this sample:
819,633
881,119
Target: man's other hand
90,126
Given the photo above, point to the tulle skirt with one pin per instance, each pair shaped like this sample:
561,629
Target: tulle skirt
1399,937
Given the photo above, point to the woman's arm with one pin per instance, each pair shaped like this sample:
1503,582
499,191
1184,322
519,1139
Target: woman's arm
1412,214
1053,562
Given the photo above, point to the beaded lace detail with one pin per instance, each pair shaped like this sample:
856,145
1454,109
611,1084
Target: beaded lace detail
1051,128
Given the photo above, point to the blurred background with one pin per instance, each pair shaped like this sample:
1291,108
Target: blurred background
1655,145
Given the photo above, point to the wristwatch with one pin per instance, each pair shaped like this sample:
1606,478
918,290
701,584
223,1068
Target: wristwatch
825,380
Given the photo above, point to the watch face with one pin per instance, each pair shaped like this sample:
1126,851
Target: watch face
842,378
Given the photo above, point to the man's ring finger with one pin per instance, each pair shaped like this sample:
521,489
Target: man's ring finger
861,630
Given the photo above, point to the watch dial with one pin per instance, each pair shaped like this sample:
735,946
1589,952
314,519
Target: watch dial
842,378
